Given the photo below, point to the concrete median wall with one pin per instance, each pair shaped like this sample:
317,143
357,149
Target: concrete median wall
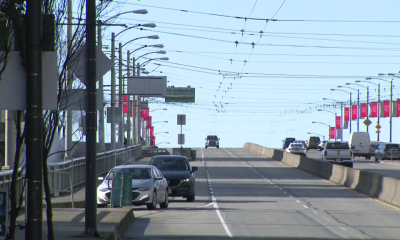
370,184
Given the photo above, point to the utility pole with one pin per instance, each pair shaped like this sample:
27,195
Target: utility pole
139,118
350,114
341,121
120,110
34,120
68,137
128,131
391,110
91,122
112,114
379,108
101,112
136,113
358,110
367,105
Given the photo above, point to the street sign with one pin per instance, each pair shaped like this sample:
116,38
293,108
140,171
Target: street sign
155,86
377,131
181,119
180,94
367,122
78,64
3,211
378,126
181,139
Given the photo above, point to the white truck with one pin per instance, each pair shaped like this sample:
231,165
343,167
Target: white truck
359,143
337,152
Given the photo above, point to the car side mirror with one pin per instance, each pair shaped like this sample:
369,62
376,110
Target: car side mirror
100,178
195,169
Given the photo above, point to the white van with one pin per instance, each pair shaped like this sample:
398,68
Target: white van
359,144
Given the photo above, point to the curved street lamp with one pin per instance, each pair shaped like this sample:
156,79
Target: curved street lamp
149,37
161,132
140,11
367,97
349,105
149,25
160,121
329,126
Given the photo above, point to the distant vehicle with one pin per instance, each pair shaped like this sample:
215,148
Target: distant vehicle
359,143
372,147
212,141
302,142
179,174
338,153
388,151
321,145
313,142
149,187
287,141
296,148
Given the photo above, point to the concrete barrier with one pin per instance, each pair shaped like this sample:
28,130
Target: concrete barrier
370,184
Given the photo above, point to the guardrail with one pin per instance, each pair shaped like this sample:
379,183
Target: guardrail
61,175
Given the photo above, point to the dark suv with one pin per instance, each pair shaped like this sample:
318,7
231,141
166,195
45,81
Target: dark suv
287,141
179,174
212,141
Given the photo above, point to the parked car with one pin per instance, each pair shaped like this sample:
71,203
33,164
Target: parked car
359,143
212,141
149,186
387,151
296,148
321,145
337,152
287,141
179,174
302,142
313,142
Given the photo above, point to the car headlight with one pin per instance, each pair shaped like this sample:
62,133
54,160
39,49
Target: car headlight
104,189
144,188
186,180
216,142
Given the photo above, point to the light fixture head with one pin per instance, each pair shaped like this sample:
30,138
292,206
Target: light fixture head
332,89
153,37
381,74
164,58
368,78
339,86
357,81
161,52
140,11
157,45
348,84
150,25
324,99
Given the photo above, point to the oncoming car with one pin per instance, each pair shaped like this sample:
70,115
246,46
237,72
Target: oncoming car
296,148
212,141
149,187
179,174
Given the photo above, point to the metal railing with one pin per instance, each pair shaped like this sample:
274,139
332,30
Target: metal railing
73,172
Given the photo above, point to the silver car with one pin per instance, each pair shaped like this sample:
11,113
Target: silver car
296,148
387,151
149,187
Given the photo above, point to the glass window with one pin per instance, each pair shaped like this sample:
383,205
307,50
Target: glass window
337,145
170,163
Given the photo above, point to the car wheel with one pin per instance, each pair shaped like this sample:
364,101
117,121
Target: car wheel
165,203
153,204
206,146
217,146
191,197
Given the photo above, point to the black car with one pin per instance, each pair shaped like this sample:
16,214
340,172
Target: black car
212,141
287,141
179,174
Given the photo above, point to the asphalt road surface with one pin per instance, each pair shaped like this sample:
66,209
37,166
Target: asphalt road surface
241,195
367,165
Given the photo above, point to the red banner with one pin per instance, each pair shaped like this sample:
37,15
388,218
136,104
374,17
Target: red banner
386,108
152,131
124,103
332,133
144,113
148,122
354,111
364,110
338,122
374,109
398,107
347,113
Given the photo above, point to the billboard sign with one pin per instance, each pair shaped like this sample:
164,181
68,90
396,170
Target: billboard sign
338,122
364,110
374,109
354,112
347,113
332,133
386,108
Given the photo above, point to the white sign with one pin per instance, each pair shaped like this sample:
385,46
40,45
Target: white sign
148,86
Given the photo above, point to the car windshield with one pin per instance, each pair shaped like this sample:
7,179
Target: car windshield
390,146
289,139
337,145
170,164
297,145
135,173
211,137
314,139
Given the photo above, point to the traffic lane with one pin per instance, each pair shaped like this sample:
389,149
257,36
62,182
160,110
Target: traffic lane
182,219
366,165
280,201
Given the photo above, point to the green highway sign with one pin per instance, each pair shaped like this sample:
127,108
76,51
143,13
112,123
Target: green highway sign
180,94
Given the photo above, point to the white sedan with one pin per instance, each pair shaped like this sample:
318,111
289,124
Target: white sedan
149,187
296,148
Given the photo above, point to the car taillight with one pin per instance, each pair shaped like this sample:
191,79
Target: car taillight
326,153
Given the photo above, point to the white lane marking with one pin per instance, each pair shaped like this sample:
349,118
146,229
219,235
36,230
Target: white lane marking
215,204
343,228
297,201
315,212
305,206
291,196
326,219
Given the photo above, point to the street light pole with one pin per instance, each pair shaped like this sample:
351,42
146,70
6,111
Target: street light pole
112,114
128,103
391,110
120,104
